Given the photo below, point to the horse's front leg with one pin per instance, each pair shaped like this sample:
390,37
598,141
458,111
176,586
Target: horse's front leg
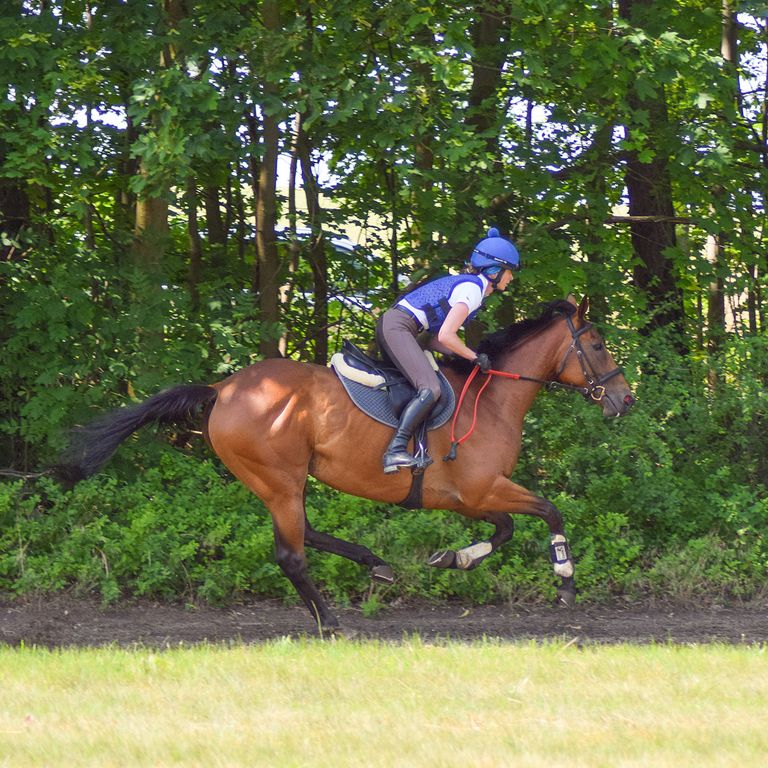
519,501
516,500
470,557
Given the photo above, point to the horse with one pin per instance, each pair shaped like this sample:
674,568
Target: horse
277,422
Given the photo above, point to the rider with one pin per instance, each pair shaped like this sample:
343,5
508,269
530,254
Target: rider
440,307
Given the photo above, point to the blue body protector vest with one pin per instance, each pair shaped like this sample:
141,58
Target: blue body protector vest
432,298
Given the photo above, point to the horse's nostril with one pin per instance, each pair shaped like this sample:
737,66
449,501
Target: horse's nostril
629,401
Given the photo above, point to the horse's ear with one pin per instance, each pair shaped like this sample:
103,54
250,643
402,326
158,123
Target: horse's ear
584,307
571,299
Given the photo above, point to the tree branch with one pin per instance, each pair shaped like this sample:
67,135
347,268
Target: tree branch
624,220
25,475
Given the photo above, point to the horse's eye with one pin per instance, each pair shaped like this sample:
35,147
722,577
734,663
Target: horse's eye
597,347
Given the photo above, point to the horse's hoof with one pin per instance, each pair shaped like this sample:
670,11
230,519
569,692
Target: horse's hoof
444,559
566,598
342,633
383,574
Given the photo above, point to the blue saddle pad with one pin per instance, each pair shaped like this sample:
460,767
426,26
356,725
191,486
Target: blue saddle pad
377,404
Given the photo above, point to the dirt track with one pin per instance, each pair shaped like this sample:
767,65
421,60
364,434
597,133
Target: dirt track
68,621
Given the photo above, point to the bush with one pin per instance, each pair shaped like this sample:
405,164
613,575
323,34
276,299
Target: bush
669,501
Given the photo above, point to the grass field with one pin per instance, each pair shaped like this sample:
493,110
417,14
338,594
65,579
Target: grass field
307,703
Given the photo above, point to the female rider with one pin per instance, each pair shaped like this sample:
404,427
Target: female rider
440,307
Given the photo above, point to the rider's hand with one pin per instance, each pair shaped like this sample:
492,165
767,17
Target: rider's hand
483,361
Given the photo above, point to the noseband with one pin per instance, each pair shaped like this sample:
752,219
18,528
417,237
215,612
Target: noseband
595,383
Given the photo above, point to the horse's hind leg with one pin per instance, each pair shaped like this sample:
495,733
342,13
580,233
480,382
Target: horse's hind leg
470,557
380,570
288,524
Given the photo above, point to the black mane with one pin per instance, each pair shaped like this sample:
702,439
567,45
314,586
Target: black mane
496,344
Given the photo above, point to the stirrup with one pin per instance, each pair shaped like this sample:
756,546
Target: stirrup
421,459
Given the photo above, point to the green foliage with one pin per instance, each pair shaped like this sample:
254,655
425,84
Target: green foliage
179,529
171,533
73,343
667,502
433,122
682,477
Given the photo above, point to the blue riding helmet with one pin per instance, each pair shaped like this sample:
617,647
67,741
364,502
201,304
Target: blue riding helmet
495,253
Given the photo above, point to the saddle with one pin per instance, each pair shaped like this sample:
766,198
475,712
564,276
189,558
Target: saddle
380,391
378,388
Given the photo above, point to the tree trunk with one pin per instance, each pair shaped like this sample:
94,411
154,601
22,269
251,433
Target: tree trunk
729,50
598,204
293,215
714,248
716,309
241,221
14,217
752,300
649,188
294,248
317,253
150,233
229,212
254,165
650,194
488,38
423,200
716,305
268,259
195,246
127,167
150,239
389,174
217,234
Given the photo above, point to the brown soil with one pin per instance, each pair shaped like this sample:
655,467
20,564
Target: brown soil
64,620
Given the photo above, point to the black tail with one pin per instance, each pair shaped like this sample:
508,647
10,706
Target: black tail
93,444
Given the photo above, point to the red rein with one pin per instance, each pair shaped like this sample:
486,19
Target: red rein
454,442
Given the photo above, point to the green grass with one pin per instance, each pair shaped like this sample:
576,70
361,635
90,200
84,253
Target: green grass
307,703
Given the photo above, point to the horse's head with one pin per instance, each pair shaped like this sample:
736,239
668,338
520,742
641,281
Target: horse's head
586,363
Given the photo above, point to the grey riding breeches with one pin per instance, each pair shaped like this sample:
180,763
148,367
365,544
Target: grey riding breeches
397,335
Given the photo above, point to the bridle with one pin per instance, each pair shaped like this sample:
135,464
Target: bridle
595,382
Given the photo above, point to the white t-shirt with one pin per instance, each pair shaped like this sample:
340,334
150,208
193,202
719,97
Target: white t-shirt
466,292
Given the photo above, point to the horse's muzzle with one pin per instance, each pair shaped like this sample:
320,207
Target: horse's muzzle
617,405
626,403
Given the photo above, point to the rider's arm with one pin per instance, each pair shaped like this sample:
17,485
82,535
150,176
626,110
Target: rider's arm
447,336
434,345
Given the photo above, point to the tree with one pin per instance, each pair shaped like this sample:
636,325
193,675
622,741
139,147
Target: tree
268,258
139,146
649,184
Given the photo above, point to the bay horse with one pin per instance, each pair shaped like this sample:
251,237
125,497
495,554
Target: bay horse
278,421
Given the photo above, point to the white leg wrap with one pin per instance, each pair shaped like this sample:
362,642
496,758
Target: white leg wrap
561,562
467,556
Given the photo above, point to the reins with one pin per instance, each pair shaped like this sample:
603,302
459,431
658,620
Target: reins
550,384
593,388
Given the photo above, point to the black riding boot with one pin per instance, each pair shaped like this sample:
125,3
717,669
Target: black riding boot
413,414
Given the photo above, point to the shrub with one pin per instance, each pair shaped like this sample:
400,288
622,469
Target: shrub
669,501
